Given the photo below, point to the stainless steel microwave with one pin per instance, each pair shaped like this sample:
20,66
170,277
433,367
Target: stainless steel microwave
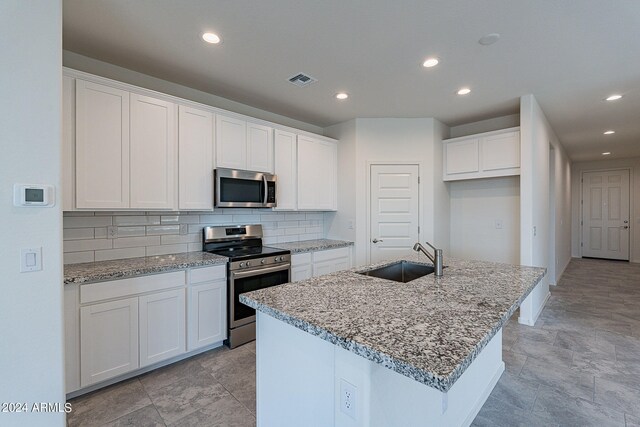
244,189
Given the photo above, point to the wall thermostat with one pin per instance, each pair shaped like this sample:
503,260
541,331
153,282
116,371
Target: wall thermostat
28,195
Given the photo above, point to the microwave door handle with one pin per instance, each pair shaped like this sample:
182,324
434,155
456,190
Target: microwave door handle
266,192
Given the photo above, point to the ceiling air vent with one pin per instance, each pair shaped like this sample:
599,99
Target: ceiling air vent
302,80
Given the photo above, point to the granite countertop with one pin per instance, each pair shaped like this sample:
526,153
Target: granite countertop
430,329
122,268
312,245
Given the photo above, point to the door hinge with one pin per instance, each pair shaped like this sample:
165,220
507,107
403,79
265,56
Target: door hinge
582,180
418,180
581,202
581,222
581,244
418,229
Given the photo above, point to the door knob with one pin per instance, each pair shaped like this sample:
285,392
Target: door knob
376,240
625,226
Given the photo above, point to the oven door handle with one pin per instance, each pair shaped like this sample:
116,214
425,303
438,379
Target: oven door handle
259,271
266,191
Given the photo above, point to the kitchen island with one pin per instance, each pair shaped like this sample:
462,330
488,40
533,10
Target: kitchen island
426,352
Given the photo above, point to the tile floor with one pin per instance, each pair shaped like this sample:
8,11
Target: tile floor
578,366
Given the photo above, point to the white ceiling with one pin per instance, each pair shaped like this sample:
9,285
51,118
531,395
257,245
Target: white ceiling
569,54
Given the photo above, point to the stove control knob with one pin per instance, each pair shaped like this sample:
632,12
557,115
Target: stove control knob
262,261
276,259
241,264
248,263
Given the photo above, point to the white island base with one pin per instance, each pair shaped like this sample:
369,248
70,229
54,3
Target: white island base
300,377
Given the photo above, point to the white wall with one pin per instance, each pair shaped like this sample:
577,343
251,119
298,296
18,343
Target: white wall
536,137
31,355
633,164
476,205
104,69
366,141
488,125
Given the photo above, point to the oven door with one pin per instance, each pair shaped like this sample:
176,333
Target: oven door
244,189
251,280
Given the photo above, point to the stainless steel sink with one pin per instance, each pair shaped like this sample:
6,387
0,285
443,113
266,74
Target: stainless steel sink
401,271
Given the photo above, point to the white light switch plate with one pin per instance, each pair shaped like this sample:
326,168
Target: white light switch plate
30,259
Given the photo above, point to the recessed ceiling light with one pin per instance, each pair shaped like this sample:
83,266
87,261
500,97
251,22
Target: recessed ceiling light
488,39
211,38
610,132
464,91
342,95
606,153
613,97
430,62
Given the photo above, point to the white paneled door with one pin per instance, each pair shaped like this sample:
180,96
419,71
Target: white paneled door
605,214
394,210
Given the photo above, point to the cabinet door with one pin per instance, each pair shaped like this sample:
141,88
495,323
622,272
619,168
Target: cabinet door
102,146
259,148
162,326
501,151
153,153
68,143
108,340
317,174
462,157
324,267
285,169
207,314
301,272
231,143
195,169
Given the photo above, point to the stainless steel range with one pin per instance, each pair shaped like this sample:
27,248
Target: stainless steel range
251,266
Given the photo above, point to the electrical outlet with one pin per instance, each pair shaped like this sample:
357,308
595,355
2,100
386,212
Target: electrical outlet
348,398
498,224
184,229
112,232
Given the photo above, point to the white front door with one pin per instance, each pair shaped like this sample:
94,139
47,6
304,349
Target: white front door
605,214
394,210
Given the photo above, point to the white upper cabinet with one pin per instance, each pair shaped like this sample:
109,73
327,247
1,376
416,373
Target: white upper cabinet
259,148
231,143
102,146
153,153
485,155
243,145
285,160
317,174
68,143
195,169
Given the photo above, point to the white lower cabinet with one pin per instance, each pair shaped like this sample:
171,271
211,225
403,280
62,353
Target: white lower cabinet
162,326
330,261
207,314
301,267
108,340
313,264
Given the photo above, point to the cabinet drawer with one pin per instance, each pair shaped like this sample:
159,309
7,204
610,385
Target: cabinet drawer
330,254
208,274
300,259
120,288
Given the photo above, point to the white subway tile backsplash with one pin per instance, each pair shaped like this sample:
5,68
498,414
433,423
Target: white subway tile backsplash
78,257
172,239
210,219
85,221
110,254
136,242
79,234
136,220
152,233
153,230
180,219
86,245
167,249
132,231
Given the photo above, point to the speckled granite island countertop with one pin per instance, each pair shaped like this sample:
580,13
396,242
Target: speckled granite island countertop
312,245
429,329
122,268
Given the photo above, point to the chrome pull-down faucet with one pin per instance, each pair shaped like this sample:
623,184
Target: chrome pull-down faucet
436,259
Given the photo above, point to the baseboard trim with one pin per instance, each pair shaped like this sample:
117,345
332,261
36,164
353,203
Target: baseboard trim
485,395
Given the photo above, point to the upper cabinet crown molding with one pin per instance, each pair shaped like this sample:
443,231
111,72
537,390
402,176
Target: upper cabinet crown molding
484,155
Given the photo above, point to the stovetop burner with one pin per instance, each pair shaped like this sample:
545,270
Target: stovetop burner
238,253
238,242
